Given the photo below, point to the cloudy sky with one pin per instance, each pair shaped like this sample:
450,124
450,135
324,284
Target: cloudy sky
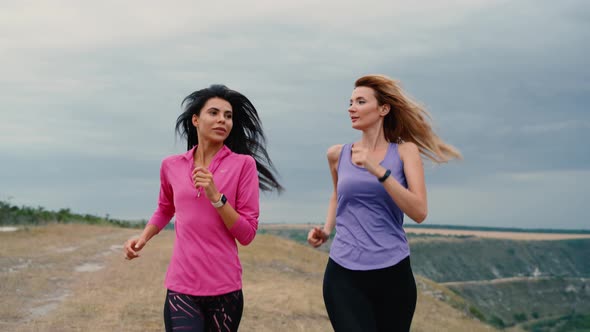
90,91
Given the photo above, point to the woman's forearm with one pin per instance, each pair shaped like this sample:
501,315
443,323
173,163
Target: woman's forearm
149,231
410,203
331,216
228,214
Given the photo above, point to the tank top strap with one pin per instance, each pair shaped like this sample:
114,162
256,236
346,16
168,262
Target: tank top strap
391,157
345,156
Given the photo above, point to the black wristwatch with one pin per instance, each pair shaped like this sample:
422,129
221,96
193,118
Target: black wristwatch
385,176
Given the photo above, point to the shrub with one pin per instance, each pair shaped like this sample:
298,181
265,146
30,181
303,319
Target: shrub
520,317
476,313
497,322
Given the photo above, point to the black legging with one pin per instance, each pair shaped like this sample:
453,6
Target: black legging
203,313
367,301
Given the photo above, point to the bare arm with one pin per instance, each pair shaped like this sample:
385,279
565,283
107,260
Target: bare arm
228,214
134,245
333,155
317,236
412,201
159,220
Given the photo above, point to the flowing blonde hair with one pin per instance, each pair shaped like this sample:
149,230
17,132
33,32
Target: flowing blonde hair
407,120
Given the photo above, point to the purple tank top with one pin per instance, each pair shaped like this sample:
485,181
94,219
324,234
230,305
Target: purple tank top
369,232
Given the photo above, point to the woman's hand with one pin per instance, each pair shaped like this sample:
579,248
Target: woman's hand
361,158
316,237
202,178
132,246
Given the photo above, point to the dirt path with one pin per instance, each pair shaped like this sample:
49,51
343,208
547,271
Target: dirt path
39,265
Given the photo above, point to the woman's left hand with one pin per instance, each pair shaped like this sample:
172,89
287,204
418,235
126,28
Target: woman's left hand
202,178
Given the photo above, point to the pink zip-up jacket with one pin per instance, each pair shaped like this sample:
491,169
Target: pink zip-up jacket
205,255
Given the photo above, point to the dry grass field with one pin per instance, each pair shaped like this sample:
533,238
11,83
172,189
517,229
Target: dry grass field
499,235
73,278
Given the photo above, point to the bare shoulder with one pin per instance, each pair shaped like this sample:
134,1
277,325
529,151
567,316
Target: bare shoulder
408,150
333,153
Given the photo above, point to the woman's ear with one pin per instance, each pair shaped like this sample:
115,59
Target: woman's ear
384,109
195,120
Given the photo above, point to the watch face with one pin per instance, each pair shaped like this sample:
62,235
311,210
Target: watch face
223,199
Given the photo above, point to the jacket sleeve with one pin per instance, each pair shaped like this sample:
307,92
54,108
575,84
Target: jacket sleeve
247,203
165,210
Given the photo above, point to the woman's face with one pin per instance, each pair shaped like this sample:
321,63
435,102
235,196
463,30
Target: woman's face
364,109
214,123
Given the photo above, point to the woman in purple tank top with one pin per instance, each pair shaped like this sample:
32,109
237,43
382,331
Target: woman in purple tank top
368,283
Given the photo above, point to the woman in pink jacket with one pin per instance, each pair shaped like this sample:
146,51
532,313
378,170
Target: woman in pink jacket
213,192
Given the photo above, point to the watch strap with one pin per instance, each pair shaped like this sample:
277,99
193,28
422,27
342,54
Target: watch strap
220,202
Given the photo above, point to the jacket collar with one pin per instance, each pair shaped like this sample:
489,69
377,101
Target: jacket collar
215,162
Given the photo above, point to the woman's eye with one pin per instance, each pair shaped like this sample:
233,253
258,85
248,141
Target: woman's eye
361,102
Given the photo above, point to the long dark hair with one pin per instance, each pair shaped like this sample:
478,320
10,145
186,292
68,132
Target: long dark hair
246,136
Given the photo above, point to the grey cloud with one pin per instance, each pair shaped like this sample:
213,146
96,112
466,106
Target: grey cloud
499,89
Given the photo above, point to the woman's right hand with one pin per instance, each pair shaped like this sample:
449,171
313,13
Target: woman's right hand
316,237
132,246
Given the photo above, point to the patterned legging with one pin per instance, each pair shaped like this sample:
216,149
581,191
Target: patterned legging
221,313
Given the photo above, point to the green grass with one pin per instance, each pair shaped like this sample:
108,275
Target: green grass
11,215
567,323
464,258
447,258
485,259
298,235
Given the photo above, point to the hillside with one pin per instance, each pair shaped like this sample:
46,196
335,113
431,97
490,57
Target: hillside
506,279
71,277
445,260
510,282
